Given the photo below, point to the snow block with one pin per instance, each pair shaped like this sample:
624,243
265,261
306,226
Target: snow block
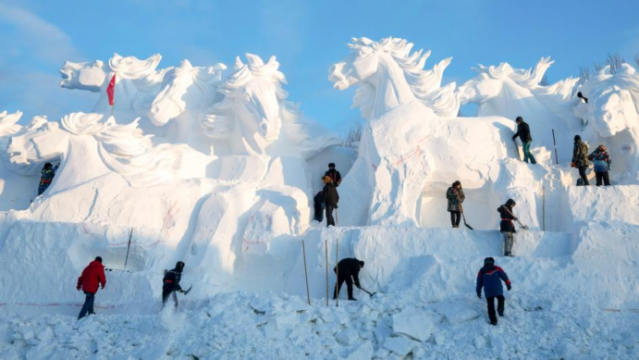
414,323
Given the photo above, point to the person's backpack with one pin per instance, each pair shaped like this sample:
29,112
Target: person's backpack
584,151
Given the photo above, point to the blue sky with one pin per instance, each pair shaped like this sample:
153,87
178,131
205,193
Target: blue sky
36,37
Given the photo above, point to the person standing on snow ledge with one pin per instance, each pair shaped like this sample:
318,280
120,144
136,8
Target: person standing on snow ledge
455,196
171,283
602,165
580,159
331,198
92,276
335,176
349,272
523,131
490,277
48,173
506,226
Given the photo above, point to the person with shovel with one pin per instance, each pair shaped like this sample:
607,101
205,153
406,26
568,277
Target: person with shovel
506,226
455,196
171,283
348,271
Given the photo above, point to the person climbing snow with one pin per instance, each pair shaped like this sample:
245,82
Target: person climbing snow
602,161
523,132
334,174
171,283
506,226
490,277
92,276
48,173
348,271
580,159
331,198
455,196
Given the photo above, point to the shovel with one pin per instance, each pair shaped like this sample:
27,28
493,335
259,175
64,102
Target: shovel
464,217
518,151
525,227
366,291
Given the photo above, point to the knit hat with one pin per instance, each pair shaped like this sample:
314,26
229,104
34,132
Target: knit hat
519,118
511,203
602,147
456,183
489,261
577,138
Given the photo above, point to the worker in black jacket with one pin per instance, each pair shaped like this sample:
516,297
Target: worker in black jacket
348,271
331,198
523,131
506,226
334,174
171,283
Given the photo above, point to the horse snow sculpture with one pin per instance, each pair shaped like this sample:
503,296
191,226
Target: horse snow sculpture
508,92
405,145
254,117
612,111
88,148
157,96
15,190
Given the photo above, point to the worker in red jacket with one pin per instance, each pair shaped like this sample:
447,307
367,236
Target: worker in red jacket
92,276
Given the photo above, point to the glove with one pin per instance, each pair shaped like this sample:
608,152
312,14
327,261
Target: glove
479,295
508,287
102,287
514,137
572,164
78,288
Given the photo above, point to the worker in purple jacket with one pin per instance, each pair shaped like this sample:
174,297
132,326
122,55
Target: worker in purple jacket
490,278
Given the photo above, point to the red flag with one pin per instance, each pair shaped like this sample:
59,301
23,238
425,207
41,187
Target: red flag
111,90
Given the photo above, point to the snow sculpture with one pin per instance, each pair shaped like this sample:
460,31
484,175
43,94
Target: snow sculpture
612,111
88,148
404,78
508,92
9,123
405,145
254,112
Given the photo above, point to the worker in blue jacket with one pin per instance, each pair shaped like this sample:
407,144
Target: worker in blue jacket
490,277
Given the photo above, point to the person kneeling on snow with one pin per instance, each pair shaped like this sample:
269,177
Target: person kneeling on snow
171,283
455,196
348,270
602,165
331,198
92,276
490,277
506,226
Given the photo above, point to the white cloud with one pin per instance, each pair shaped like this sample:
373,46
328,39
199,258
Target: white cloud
35,37
31,52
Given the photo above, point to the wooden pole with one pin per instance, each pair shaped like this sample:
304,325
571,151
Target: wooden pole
308,293
337,271
555,142
126,260
326,248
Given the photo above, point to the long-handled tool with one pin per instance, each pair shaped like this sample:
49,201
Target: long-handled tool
525,227
518,151
366,291
464,217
